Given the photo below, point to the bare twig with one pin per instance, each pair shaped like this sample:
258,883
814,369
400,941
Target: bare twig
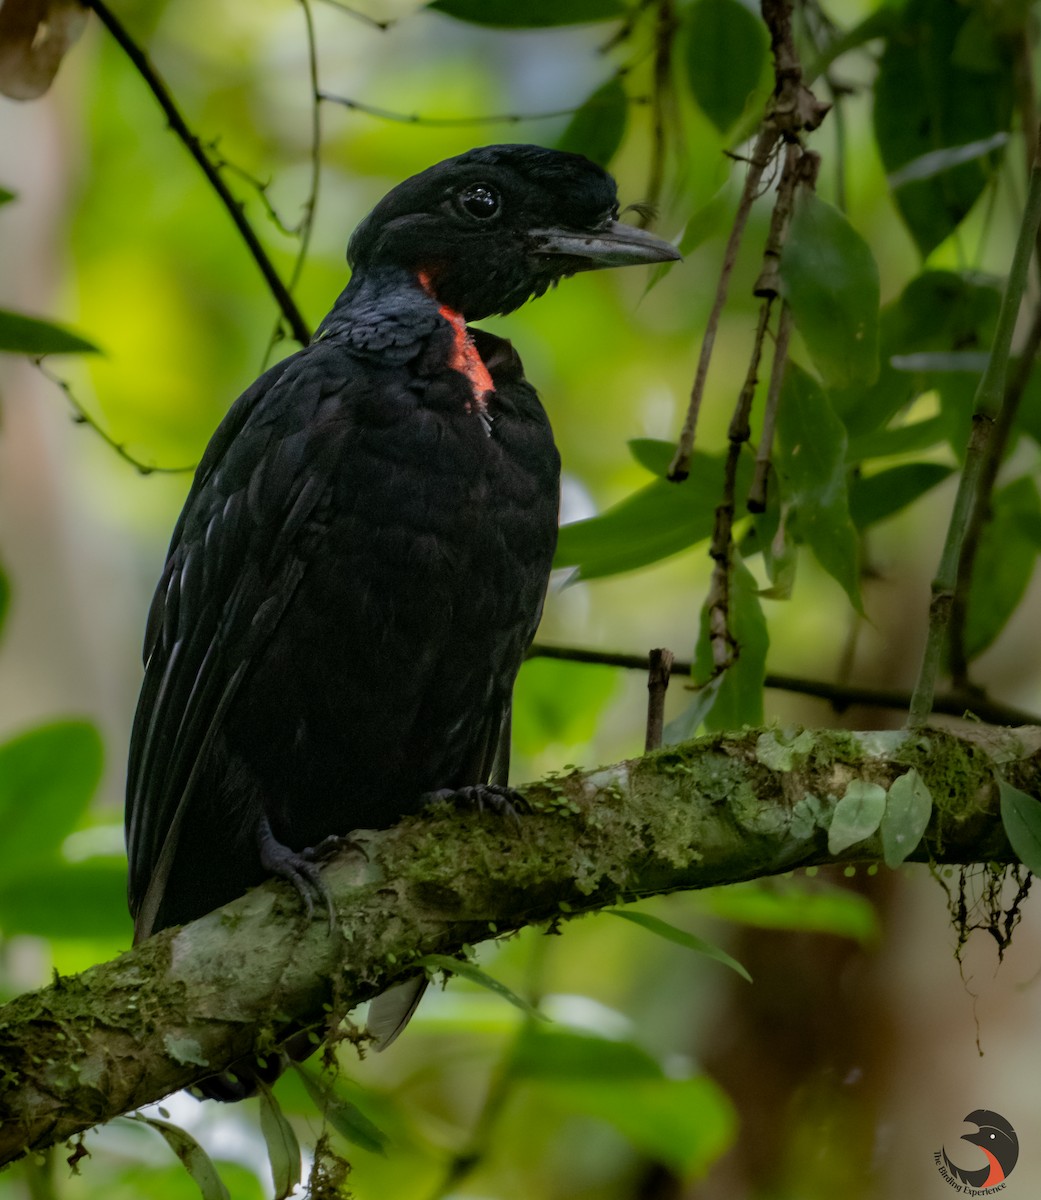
142,64
679,468
792,110
757,492
975,705
658,673
360,16
82,417
306,226
387,114
800,166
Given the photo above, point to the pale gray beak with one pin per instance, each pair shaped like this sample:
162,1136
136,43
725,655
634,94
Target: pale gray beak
616,245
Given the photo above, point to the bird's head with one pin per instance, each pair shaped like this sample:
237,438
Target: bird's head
493,227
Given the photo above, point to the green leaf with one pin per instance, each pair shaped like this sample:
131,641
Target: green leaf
283,1149
343,1114
508,14
467,970
195,1159
559,702
684,726
901,439
938,311
652,453
691,941
830,280
784,905
706,221
726,47
20,334
944,311
47,778
928,107
1021,816
549,1052
811,464
659,520
67,900
909,804
597,128
1005,560
856,816
685,1123
739,700
6,197
875,497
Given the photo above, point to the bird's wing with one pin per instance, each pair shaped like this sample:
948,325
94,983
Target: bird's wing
236,558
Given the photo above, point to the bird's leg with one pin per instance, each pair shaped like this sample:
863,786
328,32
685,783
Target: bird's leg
298,867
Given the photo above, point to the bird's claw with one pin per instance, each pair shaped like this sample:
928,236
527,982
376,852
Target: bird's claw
503,801
298,868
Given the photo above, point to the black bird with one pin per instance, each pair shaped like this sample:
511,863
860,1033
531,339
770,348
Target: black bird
361,562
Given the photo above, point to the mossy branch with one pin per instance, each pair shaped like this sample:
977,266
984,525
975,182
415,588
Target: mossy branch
717,810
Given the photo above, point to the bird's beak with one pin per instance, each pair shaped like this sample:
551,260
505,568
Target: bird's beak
616,245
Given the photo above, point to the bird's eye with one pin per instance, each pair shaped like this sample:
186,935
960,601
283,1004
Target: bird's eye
480,200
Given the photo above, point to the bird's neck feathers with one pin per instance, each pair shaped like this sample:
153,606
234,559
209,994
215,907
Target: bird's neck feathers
464,358
393,312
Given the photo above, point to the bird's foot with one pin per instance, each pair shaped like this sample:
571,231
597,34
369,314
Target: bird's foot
503,801
298,868
330,846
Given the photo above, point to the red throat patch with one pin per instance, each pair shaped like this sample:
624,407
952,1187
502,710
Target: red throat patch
465,358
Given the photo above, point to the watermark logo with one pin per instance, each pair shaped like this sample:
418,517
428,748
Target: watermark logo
998,1142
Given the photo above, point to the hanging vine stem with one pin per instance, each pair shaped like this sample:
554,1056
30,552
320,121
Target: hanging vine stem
792,110
143,65
664,38
989,398
1014,391
800,168
306,226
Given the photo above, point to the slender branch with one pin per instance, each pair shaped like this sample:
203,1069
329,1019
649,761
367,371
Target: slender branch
311,203
82,417
973,705
306,226
298,326
387,114
679,469
757,492
360,16
988,405
193,1000
792,110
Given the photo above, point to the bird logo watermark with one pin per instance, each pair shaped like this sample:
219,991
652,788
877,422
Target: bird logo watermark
996,1138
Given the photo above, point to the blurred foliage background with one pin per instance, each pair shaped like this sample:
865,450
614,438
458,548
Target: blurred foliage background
862,1043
